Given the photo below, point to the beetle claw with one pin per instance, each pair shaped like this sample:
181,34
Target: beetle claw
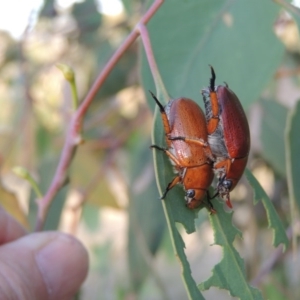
161,107
158,148
228,202
213,79
210,207
212,211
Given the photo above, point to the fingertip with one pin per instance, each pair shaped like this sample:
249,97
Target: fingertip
45,265
10,228
63,264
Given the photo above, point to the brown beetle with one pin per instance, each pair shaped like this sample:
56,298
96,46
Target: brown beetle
187,148
228,135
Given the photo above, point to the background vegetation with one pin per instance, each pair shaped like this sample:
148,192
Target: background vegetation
111,201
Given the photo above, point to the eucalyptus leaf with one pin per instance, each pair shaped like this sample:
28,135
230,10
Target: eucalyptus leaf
146,219
235,37
279,235
225,272
272,135
292,155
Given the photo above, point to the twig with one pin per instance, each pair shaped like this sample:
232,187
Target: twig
73,135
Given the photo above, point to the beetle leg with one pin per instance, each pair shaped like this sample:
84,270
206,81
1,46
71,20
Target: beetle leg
175,180
221,192
163,114
224,192
224,165
215,195
174,159
196,141
213,122
171,155
189,140
226,195
228,202
210,206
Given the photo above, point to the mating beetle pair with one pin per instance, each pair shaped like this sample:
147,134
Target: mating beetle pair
200,145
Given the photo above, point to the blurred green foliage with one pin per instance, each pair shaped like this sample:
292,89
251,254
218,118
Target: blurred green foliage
112,177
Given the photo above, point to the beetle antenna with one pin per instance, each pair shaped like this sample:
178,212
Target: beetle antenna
213,79
161,107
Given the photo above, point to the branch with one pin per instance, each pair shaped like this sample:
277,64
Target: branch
73,135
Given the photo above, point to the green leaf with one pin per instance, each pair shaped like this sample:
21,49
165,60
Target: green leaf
146,230
272,291
236,37
130,6
88,20
174,201
292,155
48,10
44,140
118,77
279,235
272,135
174,208
229,274
187,36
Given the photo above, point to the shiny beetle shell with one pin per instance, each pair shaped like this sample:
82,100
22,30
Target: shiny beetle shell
228,135
188,150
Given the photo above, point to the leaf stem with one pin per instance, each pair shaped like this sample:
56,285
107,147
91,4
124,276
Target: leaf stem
160,88
70,77
75,100
25,174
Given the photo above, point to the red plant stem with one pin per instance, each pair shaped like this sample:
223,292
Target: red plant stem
73,135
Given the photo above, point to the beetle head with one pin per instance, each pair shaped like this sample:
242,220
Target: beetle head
227,184
224,187
193,197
